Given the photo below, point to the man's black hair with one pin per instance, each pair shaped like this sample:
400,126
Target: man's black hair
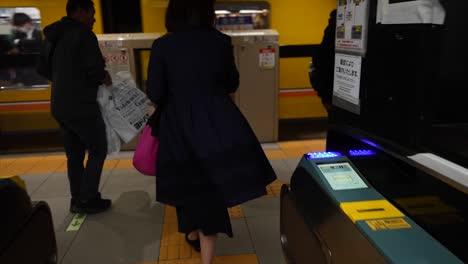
182,15
75,5
20,19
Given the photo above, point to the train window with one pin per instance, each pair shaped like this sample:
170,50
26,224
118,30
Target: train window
20,44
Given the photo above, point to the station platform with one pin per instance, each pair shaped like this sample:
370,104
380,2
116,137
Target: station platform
138,230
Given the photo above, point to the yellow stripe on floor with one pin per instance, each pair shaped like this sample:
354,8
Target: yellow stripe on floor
110,164
22,165
57,163
4,163
48,164
275,154
62,168
125,164
244,259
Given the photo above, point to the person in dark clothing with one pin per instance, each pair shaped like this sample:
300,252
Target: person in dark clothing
209,159
323,71
6,45
25,36
72,60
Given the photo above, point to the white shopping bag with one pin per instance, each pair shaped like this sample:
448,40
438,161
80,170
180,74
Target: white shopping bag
131,108
104,98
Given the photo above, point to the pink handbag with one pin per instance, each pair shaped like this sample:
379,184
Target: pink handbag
144,159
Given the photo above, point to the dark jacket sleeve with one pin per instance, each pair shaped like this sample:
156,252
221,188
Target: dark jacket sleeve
5,44
44,67
93,61
325,61
157,75
232,72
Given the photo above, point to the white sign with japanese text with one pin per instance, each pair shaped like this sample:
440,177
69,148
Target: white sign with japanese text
347,82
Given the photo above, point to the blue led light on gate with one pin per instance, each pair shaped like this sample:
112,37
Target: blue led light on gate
361,152
368,142
322,155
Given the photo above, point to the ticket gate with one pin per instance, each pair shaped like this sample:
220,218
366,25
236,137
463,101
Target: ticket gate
26,228
257,58
370,205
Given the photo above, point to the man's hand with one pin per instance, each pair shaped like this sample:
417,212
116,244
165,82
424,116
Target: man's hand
107,79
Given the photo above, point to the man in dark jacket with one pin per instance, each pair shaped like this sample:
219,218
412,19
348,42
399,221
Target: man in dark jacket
324,64
72,60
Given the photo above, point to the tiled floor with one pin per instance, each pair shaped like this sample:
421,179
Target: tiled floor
140,230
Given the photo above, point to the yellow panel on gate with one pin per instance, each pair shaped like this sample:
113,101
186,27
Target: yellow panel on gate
366,210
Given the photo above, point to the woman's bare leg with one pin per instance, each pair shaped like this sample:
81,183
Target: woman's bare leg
208,245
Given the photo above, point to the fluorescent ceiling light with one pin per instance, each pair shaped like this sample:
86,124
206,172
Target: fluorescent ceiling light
252,11
222,12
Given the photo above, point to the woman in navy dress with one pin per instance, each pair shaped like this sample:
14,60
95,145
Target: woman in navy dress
209,159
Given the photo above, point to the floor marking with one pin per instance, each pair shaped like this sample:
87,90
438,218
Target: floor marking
76,223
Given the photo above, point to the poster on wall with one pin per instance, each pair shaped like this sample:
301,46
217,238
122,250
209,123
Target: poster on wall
352,23
347,82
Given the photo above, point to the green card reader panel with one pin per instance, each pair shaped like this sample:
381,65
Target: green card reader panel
341,176
393,234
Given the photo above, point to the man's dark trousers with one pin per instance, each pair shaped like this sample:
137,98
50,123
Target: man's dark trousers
80,135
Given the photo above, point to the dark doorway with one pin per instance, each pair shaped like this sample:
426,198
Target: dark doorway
121,16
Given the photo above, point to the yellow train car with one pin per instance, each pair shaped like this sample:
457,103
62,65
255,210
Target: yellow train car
299,22
26,108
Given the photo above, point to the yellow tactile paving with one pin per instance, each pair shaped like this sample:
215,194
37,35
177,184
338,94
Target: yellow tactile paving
296,152
21,165
124,164
243,259
41,164
48,164
173,245
185,251
170,214
181,261
316,145
274,189
110,164
4,163
275,154
62,168
236,212
291,144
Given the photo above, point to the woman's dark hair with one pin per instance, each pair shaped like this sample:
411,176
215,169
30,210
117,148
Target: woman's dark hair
20,19
183,15
75,5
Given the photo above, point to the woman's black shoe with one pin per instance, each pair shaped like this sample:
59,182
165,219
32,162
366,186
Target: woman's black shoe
194,243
